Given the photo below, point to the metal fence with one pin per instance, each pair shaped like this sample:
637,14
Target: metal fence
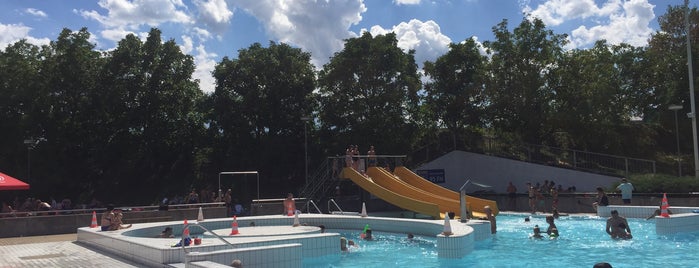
567,158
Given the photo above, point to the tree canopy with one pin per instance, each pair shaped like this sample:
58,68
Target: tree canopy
130,125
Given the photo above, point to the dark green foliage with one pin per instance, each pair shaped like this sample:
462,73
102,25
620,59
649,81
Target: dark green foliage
662,183
131,125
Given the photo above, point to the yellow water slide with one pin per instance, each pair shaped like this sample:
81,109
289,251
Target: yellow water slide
404,202
474,204
391,182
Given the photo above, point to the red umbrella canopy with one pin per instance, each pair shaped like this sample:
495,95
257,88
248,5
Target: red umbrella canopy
9,183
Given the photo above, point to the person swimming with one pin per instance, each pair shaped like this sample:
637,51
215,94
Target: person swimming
537,233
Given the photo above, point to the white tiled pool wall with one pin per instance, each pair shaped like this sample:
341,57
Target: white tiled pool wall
677,223
139,249
682,220
274,256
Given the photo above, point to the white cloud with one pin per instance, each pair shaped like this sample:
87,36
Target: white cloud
202,34
36,12
615,21
555,12
205,66
115,35
214,13
406,2
187,45
11,33
425,38
130,14
630,26
318,27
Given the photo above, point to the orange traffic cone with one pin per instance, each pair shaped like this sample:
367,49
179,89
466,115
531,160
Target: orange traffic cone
663,207
93,224
234,226
185,234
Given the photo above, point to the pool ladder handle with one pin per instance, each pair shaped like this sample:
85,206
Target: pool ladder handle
186,227
336,205
308,206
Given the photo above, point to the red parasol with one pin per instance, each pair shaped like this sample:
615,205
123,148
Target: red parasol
9,183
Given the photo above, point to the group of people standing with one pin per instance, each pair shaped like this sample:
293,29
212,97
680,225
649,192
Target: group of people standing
352,158
539,195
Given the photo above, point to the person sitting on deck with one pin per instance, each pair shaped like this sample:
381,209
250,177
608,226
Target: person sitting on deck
289,205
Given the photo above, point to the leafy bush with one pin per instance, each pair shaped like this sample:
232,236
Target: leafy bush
663,183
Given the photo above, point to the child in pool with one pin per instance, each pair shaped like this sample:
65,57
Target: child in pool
537,233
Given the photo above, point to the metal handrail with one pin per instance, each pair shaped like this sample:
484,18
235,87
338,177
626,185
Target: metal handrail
336,205
308,208
186,227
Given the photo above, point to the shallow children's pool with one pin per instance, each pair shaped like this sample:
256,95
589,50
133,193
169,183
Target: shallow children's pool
582,243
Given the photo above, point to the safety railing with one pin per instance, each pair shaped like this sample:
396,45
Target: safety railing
332,201
308,207
184,246
80,211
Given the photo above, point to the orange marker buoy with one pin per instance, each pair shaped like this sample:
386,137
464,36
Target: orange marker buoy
93,224
234,226
664,206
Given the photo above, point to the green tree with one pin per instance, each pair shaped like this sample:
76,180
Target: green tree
593,92
258,104
21,106
454,96
368,96
155,129
516,89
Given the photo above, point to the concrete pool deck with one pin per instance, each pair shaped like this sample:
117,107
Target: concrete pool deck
54,251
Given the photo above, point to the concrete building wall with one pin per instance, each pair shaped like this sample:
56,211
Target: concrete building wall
460,166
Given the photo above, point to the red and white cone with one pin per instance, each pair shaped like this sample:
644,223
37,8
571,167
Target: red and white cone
200,217
234,226
447,225
93,224
664,206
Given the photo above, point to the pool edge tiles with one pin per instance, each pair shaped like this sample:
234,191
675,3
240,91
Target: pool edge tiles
158,251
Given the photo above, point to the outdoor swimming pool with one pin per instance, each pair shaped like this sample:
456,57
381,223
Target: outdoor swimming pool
583,242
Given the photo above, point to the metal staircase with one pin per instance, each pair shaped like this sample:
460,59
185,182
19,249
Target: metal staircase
321,181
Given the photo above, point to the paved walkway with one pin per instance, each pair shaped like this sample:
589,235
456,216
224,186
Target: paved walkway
54,251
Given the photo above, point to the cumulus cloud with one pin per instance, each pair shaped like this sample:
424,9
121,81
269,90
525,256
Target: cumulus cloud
630,26
555,12
318,27
214,13
617,21
11,33
425,38
130,14
35,12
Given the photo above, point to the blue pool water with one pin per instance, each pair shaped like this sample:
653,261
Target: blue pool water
583,242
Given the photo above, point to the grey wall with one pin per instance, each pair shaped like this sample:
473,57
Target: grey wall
65,224
460,166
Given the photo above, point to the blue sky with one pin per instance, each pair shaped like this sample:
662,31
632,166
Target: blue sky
212,29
